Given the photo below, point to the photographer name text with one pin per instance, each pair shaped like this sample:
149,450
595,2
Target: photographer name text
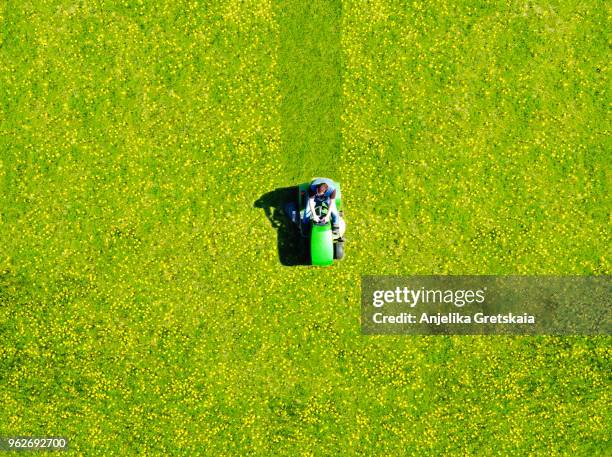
422,296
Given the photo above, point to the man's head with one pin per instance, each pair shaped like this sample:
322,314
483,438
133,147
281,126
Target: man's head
321,188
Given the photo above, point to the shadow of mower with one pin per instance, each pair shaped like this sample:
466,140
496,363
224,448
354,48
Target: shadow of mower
292,248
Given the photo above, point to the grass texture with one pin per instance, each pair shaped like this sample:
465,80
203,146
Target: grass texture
144,306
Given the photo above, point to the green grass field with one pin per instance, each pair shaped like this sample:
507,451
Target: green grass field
145,305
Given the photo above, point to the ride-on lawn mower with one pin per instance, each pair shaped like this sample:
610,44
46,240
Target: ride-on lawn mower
325,246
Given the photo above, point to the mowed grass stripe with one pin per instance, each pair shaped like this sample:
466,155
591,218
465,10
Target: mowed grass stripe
310,78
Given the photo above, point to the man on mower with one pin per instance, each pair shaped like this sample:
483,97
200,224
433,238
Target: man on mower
321,191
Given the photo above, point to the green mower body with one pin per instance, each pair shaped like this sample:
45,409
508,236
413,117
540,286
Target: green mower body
321,245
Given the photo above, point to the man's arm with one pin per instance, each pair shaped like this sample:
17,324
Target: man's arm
332,207
311,205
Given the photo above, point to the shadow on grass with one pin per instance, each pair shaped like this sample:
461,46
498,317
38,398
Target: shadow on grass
292,248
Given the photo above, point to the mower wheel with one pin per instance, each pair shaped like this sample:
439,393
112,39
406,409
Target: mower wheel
338,250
